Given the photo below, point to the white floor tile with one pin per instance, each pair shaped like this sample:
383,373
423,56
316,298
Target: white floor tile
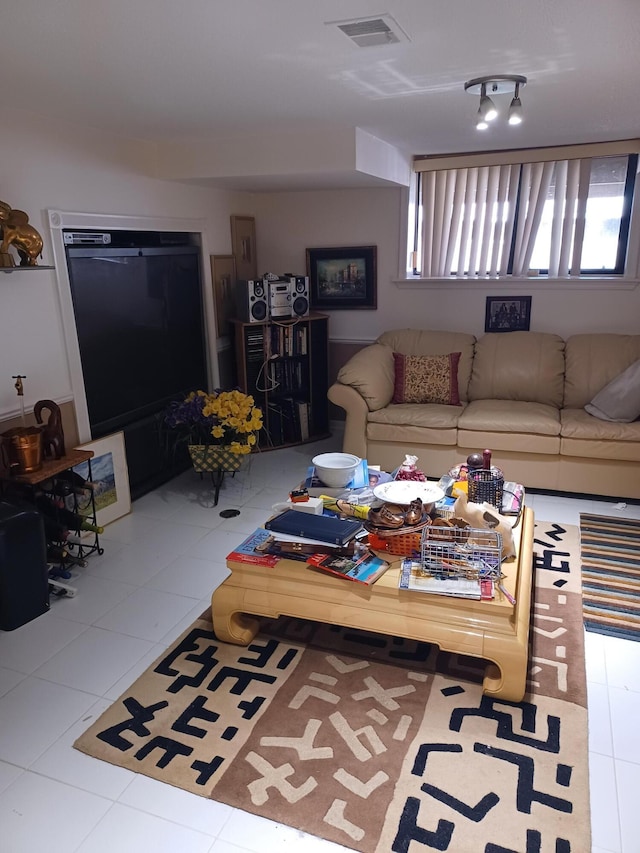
95,597
605,827
8,774
187,620
157,505
628,785
161,800
600,739
94,661
127,529
37,813
133,673
147,613
171,538
126,830
625,713
34,715
29,646
66,764
217,544
266,836
190,576
8,679
623,663
225,847
130,564
595,657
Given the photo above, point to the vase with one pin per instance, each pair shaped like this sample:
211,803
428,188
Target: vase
212,457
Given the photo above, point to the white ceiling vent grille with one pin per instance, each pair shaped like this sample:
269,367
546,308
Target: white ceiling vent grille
372,32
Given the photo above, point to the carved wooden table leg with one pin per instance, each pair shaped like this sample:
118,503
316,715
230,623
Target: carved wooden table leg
231,624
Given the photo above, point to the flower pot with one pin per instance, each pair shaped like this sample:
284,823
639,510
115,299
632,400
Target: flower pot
208,457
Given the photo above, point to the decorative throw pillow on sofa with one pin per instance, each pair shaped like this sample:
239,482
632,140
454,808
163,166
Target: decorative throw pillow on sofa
619,400
426,379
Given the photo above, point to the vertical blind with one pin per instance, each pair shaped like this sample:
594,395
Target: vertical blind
484,220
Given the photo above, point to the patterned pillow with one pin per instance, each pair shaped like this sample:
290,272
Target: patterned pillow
426,379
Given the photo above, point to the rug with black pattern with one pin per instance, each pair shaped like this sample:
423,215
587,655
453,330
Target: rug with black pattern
376,743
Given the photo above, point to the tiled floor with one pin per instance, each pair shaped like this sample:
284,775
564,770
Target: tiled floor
160,564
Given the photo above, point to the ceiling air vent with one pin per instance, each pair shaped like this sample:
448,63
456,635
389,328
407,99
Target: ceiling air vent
372,32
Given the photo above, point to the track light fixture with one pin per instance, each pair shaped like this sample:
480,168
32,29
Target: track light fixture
496,84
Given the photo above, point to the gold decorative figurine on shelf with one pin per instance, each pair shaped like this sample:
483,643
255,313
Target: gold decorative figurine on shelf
17,232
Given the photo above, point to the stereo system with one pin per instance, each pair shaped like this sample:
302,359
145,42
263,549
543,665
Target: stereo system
272,298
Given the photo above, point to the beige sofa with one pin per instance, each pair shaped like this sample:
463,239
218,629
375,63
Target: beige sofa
522,396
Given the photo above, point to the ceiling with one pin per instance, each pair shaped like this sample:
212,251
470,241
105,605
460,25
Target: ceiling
169,71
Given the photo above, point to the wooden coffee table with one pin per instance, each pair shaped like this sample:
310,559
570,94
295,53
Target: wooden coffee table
496,630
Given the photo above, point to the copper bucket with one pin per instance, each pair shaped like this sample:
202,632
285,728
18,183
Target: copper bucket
25,449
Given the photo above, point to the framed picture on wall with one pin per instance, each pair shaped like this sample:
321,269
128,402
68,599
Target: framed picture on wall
342,277
223,275
108,471
507,314
243,246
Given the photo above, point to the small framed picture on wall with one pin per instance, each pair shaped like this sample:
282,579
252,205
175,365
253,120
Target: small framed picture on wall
507,314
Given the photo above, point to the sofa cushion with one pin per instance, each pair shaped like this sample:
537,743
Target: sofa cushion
426,379
586,437
524,366
425,415
510,416
370,372
619,400
579,424
434,342
592,361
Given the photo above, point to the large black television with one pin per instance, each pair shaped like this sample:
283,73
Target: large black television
139,318
140,322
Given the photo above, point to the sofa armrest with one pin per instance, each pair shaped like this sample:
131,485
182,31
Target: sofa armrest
371,373
355,429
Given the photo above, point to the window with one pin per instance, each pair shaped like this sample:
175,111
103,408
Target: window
561,217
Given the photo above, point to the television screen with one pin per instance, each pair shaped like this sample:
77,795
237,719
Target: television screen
139,319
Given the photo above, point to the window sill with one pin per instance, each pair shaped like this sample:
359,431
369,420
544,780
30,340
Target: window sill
517,284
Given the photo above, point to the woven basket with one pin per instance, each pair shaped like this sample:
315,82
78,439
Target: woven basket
210,457
402,544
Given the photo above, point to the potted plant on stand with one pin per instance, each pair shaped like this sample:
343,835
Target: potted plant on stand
219,429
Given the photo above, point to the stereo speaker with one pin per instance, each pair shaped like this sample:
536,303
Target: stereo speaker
300,296
251,301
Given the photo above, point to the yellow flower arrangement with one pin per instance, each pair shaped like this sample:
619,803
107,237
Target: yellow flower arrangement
228,418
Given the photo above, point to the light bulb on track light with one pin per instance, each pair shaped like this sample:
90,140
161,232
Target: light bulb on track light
487,107
515,109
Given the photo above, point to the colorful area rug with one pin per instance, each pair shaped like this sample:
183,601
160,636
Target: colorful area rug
610,552
377,743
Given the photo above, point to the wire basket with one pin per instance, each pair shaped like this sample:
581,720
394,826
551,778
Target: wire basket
464,553
484,485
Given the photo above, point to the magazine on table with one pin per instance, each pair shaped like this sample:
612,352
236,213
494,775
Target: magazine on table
246,551
365,569
412,577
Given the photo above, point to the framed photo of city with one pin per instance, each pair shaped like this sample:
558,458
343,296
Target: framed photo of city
507,314
343,277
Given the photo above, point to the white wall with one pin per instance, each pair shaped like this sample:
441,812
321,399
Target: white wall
46,165
288,223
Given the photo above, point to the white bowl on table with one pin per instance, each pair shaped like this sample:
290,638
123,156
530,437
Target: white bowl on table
335,469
